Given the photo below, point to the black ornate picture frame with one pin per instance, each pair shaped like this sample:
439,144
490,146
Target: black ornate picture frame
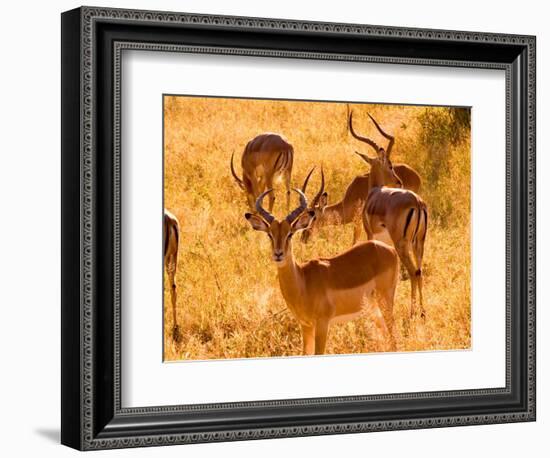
92,42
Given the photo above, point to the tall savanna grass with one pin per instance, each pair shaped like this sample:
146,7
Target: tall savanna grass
229,300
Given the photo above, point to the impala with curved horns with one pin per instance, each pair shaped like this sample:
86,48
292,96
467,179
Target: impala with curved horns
349,209
266,159
399,213
326,290
410,179
171,244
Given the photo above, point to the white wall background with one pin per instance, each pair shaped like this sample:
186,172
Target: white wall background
30,229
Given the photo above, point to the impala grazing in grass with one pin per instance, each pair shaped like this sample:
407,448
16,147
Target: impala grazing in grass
266,159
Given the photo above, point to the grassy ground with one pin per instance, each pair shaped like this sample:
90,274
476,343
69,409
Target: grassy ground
230,304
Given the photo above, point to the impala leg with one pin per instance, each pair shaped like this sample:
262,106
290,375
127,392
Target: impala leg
353,215
287,185
387,303
321,332
271,197
403,250
356,230
172,264
308,340
386,297
250,193
378,318
366,225
420,297
418,248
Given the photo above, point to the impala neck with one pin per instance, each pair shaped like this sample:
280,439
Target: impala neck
376,179
290,276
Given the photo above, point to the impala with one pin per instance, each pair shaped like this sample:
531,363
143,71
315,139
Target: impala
326,290
399,213
348,210
266,159
171,242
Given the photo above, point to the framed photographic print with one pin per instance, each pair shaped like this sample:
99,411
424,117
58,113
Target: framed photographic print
335,220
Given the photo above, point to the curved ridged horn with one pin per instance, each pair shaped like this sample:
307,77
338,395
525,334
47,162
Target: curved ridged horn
261,211
321,189
389,137
300,209
237,179
366,140
304,186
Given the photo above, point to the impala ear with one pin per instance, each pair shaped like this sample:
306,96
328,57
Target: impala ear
323,200
257,222
303,221
367,159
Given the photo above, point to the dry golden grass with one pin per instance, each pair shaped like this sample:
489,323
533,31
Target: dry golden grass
229,301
